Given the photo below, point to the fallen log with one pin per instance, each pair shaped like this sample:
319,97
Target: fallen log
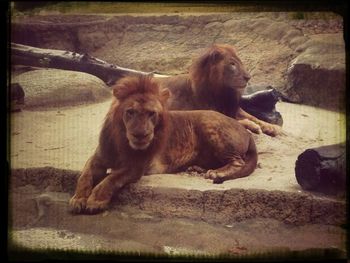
322,169
62,59
260,104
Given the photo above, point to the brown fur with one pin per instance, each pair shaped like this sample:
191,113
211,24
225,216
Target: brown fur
140,136
216,81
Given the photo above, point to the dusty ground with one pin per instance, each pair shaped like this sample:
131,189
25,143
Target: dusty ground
66,138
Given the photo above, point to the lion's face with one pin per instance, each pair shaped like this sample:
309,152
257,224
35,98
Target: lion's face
141,116
235,75
229,68
141,108
220,68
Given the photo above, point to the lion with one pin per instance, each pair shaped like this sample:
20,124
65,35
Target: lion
216,81
140,136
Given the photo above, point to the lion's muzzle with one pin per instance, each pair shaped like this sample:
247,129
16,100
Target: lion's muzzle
140,141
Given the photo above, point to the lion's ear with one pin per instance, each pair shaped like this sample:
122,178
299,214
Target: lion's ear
116,91
120,91
215,56
210,58
165,95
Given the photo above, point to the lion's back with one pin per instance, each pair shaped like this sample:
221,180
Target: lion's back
216,130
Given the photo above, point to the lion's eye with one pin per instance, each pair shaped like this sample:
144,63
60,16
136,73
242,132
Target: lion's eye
130,112
152,113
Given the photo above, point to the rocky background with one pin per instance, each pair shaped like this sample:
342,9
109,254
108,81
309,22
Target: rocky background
302,58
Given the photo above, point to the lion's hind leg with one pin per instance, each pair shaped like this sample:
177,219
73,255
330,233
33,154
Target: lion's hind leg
227,172
195,169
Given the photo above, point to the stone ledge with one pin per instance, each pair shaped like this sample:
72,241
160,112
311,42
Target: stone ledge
213,206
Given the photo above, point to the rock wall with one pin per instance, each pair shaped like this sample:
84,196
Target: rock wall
286,53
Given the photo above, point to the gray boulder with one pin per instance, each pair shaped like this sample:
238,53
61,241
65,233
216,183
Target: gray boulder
317,75
47,88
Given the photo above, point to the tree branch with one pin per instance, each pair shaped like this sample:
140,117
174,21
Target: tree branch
61,59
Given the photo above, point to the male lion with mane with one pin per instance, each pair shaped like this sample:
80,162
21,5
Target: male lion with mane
140,136
216,81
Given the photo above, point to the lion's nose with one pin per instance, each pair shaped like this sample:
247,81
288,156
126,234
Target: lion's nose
247,76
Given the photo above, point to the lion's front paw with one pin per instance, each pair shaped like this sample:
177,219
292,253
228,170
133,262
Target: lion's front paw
215,176
271,129
94,206
251,126
77,204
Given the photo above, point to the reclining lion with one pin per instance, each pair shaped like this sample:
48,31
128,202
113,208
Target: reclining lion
141,136
216,81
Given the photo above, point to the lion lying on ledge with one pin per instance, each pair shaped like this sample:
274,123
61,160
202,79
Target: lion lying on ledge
216,81
140,136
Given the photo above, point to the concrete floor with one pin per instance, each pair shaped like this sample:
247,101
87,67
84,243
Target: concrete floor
66,138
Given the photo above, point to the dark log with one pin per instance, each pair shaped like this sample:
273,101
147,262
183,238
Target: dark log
322,169
261,104
16,97
61,59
